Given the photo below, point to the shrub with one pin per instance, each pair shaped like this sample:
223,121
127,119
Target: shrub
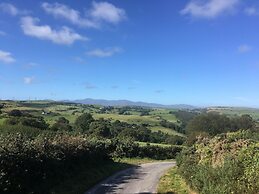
34,165
83,122
15,113
227,163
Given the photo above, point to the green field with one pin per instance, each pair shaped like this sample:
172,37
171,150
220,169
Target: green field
234,111
71,111
55,110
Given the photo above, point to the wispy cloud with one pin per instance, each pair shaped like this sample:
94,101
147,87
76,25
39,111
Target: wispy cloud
79,60
31,65
108,52
89,86
2,33
99,12
114,87
6,57
10,9
159,91
64,35
208,9
244,48
251,11
62,11
131,88
104,11
28,80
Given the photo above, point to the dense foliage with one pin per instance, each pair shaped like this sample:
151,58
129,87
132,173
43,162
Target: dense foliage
184,116
227,163
37,163
211,124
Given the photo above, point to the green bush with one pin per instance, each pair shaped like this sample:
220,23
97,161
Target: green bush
30,165
228,163
129,149
35,163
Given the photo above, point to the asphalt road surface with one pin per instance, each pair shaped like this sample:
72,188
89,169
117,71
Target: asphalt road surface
143,178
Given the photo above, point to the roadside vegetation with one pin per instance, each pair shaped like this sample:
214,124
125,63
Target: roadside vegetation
38,156
172,182
222,157
54,147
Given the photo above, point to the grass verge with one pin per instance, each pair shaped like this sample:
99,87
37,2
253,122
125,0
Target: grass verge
173,183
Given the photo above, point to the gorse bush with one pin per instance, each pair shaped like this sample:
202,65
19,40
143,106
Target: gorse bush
227,163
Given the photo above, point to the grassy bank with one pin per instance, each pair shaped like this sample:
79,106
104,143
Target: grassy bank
172,182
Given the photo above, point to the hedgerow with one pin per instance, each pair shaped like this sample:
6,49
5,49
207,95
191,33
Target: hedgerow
34,164
227,163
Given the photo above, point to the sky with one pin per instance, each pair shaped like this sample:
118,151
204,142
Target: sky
197,52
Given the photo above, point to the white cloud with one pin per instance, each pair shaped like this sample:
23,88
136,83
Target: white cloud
209,8
107,12
62,11
108,52
28,80
251,11
99,12
6,57
63,36
9,9
244,48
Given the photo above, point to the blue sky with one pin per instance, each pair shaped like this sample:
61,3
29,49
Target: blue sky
185,51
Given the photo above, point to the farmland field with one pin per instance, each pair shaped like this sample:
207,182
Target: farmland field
54,110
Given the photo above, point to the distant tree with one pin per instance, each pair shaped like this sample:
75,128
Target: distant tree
184,116
83,122
15,113
100,127
37,122
245,122
175,140
12,121
210,124
144,113
61,124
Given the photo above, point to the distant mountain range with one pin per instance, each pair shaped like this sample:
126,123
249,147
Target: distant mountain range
130,103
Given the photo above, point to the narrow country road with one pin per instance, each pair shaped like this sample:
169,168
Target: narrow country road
143,178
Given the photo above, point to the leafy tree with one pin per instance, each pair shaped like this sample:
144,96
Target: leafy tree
245,122
211,124
12,121
100,127
83,122
37,122
184,116
15,113
61,124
